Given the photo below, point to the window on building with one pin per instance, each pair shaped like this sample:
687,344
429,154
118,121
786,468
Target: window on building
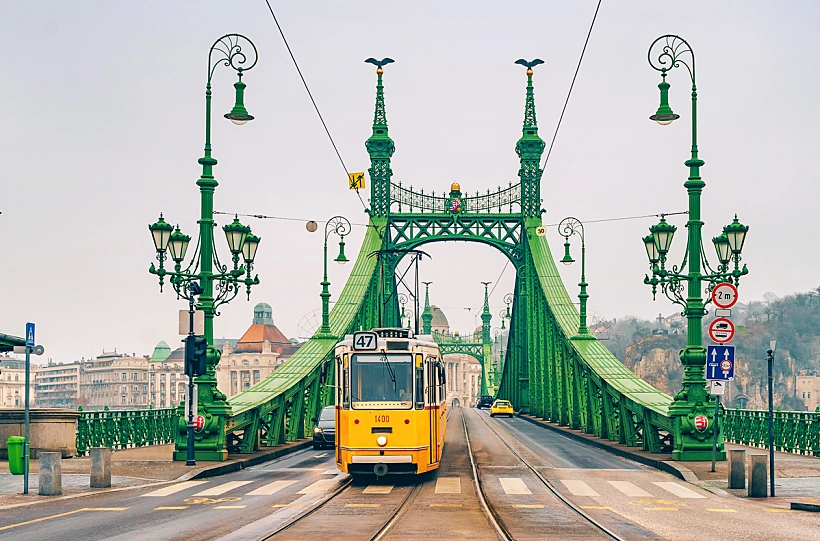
125,388
245,362
124,376
256,376
134,376
162,378
124,399
247,385
153,377
136,389
256,362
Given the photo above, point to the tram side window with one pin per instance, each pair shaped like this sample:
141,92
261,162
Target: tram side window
442,381
345,384
419,384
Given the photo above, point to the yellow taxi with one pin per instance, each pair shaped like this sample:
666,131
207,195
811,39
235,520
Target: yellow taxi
501,407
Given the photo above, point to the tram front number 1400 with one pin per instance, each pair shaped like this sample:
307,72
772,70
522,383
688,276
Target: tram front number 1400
365,341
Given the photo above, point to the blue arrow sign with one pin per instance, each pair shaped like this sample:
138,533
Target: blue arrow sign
30,335
720,362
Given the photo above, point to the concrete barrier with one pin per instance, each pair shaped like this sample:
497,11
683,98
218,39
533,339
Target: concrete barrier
51,474
758,478
737,468
100,467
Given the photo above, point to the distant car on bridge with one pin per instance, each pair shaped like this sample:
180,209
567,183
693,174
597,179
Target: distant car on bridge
324,433
484,401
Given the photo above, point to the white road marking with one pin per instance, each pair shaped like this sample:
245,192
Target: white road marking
319,487
332,471
514,485
323,455
579,488
378,489
629,489
270,488
179,487
678,490
222,489
448,485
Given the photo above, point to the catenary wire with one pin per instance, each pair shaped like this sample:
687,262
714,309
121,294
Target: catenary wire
549,152
313,101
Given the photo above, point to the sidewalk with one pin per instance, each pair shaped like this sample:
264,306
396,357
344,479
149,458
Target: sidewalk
131,468
797,477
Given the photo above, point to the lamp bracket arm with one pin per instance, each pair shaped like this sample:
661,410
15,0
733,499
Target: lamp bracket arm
231,50
672,51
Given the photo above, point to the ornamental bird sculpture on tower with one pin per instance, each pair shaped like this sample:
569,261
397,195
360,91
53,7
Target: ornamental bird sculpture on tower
531,64
379,63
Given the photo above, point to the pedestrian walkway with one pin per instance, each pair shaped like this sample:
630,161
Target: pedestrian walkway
13,484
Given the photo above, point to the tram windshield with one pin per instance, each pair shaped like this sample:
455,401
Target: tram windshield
384,378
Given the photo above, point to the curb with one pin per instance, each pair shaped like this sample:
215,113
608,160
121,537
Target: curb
212,471
681,472
806,507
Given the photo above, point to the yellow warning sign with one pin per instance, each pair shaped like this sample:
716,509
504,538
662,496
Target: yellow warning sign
355,180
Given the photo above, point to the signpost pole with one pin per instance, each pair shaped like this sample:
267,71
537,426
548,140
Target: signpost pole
770,361
717,428
26,419
190,459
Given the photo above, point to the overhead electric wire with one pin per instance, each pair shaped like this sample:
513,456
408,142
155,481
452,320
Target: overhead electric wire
549,152
313,101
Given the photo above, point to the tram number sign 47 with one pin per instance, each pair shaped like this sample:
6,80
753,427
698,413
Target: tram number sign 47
724,295
367,341
721,330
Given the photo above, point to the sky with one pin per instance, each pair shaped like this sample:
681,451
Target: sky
104,124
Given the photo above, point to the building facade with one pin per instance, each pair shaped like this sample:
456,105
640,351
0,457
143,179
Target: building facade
13,383
115,381
58,385
807,389
261,350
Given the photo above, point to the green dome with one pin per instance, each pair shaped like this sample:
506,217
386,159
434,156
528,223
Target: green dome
161,352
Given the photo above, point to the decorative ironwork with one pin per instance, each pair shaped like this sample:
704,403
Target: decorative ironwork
796,432
230,46
124,429
507,200
673,52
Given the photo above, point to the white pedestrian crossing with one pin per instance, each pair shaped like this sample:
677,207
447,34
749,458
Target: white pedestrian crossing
218,490
514,485
332,471
579,488
319,487
270,488
173,489
448,485
630,489
678,490
378,489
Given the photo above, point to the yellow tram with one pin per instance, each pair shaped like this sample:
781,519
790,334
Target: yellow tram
390,403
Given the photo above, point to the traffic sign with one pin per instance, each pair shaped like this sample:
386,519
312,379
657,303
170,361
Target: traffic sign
717,388
724,295
701,423
721,330
356,180
540,231
720,362
30,335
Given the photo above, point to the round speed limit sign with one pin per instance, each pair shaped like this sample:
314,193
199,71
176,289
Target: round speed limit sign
724,295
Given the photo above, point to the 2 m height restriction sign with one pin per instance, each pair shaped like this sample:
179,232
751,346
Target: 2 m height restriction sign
724,295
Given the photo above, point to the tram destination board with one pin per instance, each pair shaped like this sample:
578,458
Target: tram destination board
367,341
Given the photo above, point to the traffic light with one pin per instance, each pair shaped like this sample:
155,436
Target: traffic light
196,356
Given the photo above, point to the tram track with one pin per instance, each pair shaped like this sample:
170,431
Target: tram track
318,505
495,519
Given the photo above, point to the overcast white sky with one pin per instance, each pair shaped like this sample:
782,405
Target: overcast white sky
103,125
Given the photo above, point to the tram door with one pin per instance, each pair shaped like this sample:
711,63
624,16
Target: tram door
432,401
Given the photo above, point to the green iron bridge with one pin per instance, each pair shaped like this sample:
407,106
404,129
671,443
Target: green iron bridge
547,370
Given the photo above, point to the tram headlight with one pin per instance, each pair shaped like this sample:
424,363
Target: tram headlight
317,430
382,441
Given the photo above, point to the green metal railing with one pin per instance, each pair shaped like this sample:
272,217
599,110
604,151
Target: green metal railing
795,432
123,429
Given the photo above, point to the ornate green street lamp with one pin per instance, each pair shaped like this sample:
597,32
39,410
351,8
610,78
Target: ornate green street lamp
568,227
685,287
338,225
204,267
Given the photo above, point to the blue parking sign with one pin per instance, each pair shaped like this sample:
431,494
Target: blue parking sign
720,362
30,335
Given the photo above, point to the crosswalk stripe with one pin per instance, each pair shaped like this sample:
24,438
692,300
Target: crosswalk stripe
678,490
173,489
222,489
323,455
378,489
332,471
448,485
270,488
514,485
318,487
362,505
579,488
528,506
629,489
